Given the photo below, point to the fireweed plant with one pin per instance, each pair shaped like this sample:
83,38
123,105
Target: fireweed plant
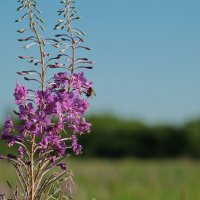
52,115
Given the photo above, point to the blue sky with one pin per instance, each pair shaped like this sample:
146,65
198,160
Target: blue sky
147,56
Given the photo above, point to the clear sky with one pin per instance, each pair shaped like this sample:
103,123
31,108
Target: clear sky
147,56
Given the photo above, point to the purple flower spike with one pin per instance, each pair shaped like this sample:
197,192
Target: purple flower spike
50,115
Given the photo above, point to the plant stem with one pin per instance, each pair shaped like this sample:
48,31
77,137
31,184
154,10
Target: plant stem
33,27
42,75
69,28
32,169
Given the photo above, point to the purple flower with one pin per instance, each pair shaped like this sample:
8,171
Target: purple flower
41,120
21,151
79,106
61,79
63,166
84,126
44,143
65,99
32,127
8,127
58,108
77,148
60,149
78,81
26,111
20,94
11,141
52,159
43,99
58,145
59,126
5,136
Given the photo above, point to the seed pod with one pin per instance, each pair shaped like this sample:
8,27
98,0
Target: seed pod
22,30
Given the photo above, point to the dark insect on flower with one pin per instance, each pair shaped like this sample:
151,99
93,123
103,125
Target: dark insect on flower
90,92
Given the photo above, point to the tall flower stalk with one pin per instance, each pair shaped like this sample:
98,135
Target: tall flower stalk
52,116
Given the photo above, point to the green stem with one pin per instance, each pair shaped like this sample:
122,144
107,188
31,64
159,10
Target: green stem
32,169
34,29
69,28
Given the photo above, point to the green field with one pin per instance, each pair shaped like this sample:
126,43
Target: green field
132,179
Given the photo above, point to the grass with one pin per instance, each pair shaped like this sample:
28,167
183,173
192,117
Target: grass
137,180
130,179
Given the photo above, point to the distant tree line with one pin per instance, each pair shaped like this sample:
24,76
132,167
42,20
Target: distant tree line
113,137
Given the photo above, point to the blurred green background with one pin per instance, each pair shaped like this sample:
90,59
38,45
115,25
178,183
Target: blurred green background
131,160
